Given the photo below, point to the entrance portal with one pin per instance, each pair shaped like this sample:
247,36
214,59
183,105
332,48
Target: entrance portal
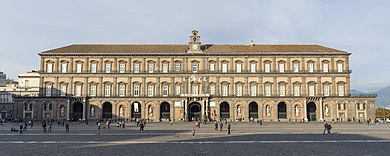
282,111
136,110
165,111
194,112
224,110
311,111
107,110
77,111
253,110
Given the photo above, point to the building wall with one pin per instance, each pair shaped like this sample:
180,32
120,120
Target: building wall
64,88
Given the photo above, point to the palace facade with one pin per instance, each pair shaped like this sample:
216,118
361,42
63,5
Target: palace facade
164,82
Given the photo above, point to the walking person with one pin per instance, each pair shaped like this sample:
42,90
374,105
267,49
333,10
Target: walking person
193,132
50,127
98,124
67,127
228,127
220,126
141,127
44,126
21,130
216,125
329,127
325,127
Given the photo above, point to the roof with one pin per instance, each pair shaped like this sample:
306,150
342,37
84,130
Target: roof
182,48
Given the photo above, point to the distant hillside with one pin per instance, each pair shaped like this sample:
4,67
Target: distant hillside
383,99
354,91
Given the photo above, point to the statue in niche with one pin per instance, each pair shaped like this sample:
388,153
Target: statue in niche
342,106
121,111
239,111
92,110
296,110
326,110
361,106
150,111
62,110
268,111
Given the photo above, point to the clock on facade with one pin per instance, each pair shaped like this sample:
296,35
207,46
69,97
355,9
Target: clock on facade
194,46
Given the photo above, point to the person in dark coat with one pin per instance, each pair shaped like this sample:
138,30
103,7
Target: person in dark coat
228,127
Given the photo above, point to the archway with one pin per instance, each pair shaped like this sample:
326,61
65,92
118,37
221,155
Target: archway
224,110
77,111
165,111
136,110
253,110
282,111
311,111
107,110
194,111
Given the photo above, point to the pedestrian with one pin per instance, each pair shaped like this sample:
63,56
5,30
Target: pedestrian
123,124
329,127
108,124
98,124
25,127
229,127
171,122
325,127
261,122
21,130
141,127
193,132
67,127
220,126
44,126
32,123
58,123
50,127
216,125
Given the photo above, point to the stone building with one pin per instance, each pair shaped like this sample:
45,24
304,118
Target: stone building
191,81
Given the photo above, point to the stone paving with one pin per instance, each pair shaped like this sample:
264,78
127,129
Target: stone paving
164,139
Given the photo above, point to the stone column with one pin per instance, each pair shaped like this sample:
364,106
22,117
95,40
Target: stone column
143,105
305,110
84,109
321,117
185,105
207,110
203,109
68,110
157,117
114,110
231,111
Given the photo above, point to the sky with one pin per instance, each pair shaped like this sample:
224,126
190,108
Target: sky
360,27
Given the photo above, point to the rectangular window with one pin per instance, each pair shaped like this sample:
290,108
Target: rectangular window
136,90
136,68
224,68
177,89
311,90
195,67
281,67
225,90
238,68
177,66
212,67
93,68
267,67
282,90
50,67
78,67
341,90
165,90
296,68
48,90
151,67
339,67
78,90
107,90
195,89
122,68
165,68
296,90
212,89
253,90
239,89
64,67
253,68
63,90
122,89
93,90
326,90
267,90
108,67
325,68
310,67
150,90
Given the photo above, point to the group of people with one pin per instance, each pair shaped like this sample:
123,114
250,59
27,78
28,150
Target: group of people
220,125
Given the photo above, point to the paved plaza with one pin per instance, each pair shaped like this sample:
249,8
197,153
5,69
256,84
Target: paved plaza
164,139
